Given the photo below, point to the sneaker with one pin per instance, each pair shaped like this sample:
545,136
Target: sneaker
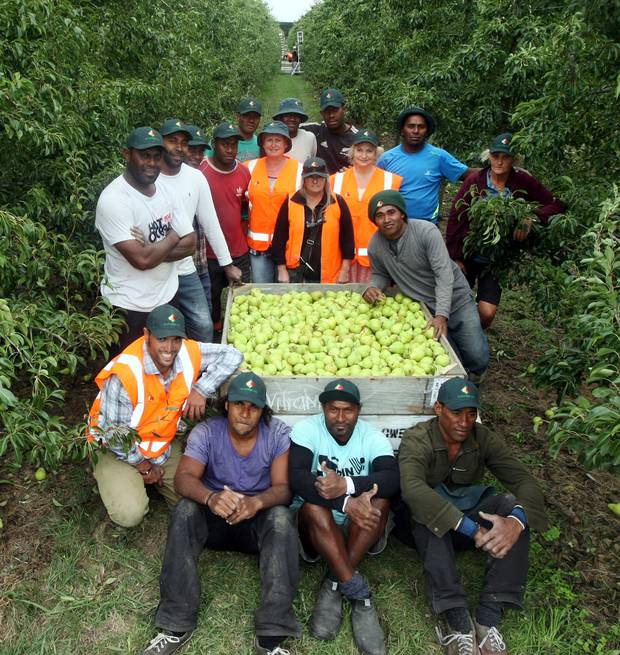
165,643
490,640
458,643
327,615
367,630
260,650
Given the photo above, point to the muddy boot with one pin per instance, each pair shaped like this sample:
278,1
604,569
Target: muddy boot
327,615
367,630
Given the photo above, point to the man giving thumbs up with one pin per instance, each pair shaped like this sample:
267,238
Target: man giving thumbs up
343,472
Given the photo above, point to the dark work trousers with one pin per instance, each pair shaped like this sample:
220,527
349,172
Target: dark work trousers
504,579
271,534
136,322
219,282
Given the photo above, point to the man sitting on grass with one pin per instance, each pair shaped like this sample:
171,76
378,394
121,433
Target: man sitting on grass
344,472
234,479
442,463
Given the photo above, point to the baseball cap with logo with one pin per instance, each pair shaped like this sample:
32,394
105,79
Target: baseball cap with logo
331,98
173,125
225,130
314,166
457,393
366,136
144,137
166,321
502,143
387,197
197,136
250,387
340,389
248,105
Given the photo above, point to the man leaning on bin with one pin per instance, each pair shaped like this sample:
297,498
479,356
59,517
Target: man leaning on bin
143,393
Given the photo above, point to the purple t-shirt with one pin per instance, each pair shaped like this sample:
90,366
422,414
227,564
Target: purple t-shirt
210,444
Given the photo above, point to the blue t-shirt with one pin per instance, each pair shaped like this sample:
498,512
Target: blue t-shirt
209,443
422,173
351,459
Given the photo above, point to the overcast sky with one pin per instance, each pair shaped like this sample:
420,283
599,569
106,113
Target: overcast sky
289,10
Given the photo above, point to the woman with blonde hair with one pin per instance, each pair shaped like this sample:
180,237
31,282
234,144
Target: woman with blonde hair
357,185
313,239
275,176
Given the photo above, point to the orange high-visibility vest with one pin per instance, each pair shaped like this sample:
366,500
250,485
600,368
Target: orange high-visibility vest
156,413
331,257
264,204
345,184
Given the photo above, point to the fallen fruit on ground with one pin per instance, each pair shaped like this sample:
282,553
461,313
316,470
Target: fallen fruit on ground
40,474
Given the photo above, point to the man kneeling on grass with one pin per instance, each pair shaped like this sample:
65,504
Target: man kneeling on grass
344,472
234,479
442,463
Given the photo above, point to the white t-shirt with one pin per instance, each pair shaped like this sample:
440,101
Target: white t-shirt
304,146
119,208
190,187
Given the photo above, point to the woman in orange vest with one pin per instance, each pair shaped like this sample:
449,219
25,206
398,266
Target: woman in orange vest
313,238
274,177
357,185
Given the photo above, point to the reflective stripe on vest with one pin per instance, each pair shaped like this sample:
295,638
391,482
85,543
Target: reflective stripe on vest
265,203
363,228
331,257
156,411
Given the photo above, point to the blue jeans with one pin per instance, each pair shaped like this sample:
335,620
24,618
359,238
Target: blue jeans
468,338
263,269
193,303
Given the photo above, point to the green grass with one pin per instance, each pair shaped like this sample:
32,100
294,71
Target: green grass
289,86
98,591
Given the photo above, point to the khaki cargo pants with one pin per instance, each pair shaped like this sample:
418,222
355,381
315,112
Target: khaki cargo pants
123,491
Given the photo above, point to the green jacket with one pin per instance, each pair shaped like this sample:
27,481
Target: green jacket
423,461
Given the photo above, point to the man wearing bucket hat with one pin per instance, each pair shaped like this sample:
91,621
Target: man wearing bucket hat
275,177
233,478
144,231
313,238
442,465
291,113
499,177
414,256
343,473
143,393
334,136
229,181
191,187
422,166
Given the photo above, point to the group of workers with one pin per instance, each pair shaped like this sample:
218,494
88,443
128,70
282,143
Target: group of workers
304,202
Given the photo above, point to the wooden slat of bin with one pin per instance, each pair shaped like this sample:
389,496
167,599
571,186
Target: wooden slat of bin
380,395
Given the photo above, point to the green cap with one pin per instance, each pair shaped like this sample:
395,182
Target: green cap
248,105
290,106
457,393
410,111
166,321
226,130
340,389
331,98
197,136
173,125
276,127
144,137
365,136
388,197
314,166
250,387
502,143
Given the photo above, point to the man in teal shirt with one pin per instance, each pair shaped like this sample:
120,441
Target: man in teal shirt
249,114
